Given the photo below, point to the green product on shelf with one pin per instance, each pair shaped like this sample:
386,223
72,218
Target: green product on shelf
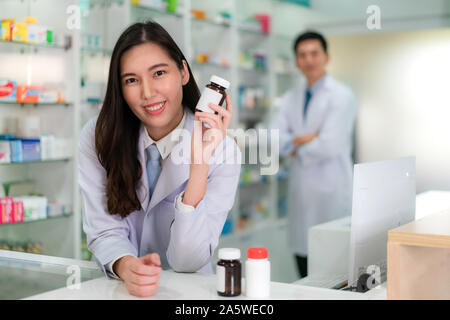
172,6
28,214
49,36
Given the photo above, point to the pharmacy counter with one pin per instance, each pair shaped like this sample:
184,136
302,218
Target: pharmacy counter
43,277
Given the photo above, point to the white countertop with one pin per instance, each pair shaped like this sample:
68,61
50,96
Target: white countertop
198,286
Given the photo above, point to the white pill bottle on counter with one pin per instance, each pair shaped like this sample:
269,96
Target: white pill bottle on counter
257,273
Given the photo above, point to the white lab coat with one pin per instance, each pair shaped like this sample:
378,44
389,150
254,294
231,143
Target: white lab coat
320,179
184,241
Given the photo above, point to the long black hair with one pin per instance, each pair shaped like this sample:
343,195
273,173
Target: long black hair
117,129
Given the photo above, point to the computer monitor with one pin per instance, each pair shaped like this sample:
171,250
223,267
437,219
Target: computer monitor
384,195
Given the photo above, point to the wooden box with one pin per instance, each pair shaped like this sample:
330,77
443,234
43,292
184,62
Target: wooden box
418,259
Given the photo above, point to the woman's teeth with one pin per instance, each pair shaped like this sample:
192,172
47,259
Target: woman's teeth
157,107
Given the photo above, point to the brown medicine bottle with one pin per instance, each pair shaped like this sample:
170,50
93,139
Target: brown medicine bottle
228,272
214,92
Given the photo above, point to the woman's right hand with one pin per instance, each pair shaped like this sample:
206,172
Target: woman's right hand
141,275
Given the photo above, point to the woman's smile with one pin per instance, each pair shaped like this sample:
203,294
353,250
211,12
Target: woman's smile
155,109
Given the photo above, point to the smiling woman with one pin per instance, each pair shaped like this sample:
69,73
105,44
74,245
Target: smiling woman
142,210
152,86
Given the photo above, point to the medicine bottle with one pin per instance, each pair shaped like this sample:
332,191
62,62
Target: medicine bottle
228,272
214,92
257,273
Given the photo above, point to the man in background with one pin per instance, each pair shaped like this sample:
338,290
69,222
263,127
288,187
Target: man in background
316,122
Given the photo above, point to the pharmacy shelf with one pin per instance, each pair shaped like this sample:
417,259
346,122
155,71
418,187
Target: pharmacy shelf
63,215
253,31
184,26
210,65
34,45
243,69
36,104
54,180
156,10
95,51
39,161
212,22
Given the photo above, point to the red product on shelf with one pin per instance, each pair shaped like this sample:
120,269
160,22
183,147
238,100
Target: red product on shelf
18,211
6,210
8,90
264,19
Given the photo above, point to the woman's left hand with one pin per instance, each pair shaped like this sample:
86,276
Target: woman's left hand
205,140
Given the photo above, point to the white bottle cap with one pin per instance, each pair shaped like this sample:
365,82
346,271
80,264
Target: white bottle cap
221,82
229,254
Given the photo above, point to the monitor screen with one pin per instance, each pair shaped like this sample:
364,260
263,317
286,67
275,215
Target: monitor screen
384,197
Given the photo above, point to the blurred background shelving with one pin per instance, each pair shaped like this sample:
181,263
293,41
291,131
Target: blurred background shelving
50,67
222,38
236,40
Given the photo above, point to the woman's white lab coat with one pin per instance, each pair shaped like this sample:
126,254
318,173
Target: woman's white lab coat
320,180
184,241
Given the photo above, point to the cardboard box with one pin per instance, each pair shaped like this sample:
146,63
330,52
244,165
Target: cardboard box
7,29
35,207
28,94
31,150
5,152
18,215
8,90
16,150
6,210
20,33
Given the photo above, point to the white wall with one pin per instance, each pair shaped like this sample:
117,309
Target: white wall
401,81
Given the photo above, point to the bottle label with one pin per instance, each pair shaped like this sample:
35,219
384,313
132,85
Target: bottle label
220,274
208,96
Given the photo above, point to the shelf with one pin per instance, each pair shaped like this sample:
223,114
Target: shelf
243,69
102,3
41,161
253,31
36,104
94,51
208,64
156,10
92,102
34,45
64,215
212,22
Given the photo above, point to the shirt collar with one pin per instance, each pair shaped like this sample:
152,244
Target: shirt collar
316,86
165,144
